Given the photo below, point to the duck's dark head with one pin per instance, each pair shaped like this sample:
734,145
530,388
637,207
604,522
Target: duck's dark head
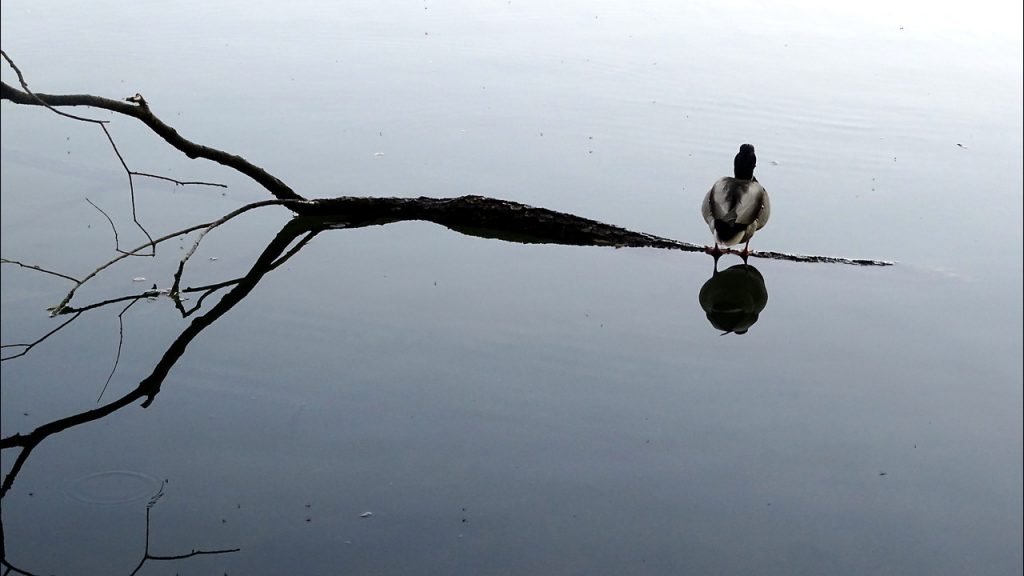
743,164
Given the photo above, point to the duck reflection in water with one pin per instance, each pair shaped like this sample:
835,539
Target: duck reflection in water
733,298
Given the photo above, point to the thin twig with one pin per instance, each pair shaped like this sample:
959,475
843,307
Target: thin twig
193,553
147,556
137,108
28,347
40,269
151,293
61,307
213,288
154,292
175,287
140,104
41,101
117,244
179,182
771,255
131,185
101,123
120,342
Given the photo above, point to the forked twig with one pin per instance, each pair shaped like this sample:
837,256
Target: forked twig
148,556
140,102
62,306
101,123
27,347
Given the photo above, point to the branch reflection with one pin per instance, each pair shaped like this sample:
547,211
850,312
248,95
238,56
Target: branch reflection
149,387
732,299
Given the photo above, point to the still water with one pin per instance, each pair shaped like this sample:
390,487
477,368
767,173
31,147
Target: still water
506,408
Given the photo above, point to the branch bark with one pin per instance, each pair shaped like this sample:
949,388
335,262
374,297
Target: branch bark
515,222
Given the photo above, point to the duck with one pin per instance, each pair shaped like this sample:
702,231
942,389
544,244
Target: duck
736,207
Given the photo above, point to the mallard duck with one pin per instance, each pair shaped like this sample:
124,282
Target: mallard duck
737,207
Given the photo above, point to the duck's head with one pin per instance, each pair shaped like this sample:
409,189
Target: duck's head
743,164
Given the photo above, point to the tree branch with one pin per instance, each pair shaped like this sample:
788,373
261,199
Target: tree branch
62,306
139,110
515,222
474,215
27,347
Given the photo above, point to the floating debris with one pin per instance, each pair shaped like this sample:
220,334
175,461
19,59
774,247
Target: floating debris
366,514
139,279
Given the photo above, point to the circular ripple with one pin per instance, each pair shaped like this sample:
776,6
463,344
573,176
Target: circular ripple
114,487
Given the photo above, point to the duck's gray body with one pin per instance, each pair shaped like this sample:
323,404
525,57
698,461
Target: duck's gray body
736,207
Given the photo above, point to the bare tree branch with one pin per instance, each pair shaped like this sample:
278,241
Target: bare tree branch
117,243
40,269
120,343
101,123
32,345
61,307
213,288
39,101
148,556
206,229
151,293
131,184
138,108
149,387
467,214
180,182
515,222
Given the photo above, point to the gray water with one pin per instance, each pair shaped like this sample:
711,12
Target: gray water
505,408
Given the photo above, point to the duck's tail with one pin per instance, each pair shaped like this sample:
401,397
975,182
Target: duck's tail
729,232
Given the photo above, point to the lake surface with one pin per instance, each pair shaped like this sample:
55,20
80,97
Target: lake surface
506,408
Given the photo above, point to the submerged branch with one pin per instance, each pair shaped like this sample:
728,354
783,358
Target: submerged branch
514,222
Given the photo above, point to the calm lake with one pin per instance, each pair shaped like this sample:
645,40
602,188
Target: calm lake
407,399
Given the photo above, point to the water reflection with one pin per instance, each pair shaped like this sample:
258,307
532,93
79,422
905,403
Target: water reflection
533,226
734,298
295,234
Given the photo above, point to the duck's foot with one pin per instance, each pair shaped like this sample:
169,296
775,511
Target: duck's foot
745,253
